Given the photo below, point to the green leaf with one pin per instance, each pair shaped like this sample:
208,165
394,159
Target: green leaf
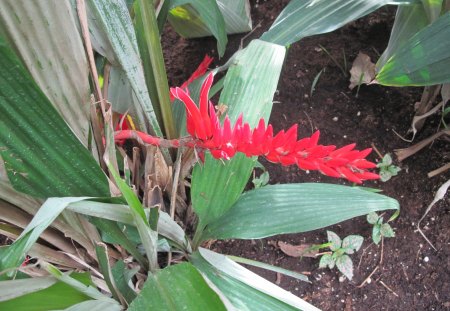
217,185
345,265
387,231
198,18
149,237
432,8
42,156
64,80
423,60
56,296
178,287
408,21
122,276
236,14
302,18
372,218
13,256
293,208
150,48
334,239
268,267
122,214
327,260
95,305
114,37
105,268
352,243
245,289
376,234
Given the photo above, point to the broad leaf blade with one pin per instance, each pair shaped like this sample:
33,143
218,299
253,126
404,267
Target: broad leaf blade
249,88
50,46
301,18
198,18
178,287
408,21
42,156
423,60
42,294
293,208
245,289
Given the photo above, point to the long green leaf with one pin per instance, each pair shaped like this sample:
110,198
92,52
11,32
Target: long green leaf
249,87
423,60
197,18
408,21
50,46
121,213
41,294
245,289
178,287
153,63
293,208
303,18
148,236
42,156
110,25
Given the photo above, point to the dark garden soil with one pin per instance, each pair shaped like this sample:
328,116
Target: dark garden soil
412,276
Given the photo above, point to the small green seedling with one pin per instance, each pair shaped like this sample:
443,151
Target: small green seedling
340,251
380,229
387,169
263,179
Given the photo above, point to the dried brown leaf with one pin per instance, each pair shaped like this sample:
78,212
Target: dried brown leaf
363,71
302,250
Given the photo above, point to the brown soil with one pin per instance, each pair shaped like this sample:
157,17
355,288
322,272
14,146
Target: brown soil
412,276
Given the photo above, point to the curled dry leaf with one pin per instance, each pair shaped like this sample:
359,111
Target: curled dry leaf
363,71
302,250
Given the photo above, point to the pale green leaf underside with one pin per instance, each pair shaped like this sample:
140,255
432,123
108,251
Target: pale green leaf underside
45,35
42,156
293,208
302,18
249,87
178,287
423,60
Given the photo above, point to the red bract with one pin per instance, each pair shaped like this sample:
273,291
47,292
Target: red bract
225,140
200,71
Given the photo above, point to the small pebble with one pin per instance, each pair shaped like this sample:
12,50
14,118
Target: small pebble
358,113
335,119
426,259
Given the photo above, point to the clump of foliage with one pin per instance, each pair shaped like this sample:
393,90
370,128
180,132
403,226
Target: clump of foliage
340,251
387,169
380,229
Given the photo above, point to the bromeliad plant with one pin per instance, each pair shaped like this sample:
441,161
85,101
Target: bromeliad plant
74,200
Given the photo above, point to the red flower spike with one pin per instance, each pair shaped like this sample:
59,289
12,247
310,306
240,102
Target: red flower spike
223,141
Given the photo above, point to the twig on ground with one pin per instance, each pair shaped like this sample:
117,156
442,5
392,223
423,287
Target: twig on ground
376,150
377,267
389,289
363,253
